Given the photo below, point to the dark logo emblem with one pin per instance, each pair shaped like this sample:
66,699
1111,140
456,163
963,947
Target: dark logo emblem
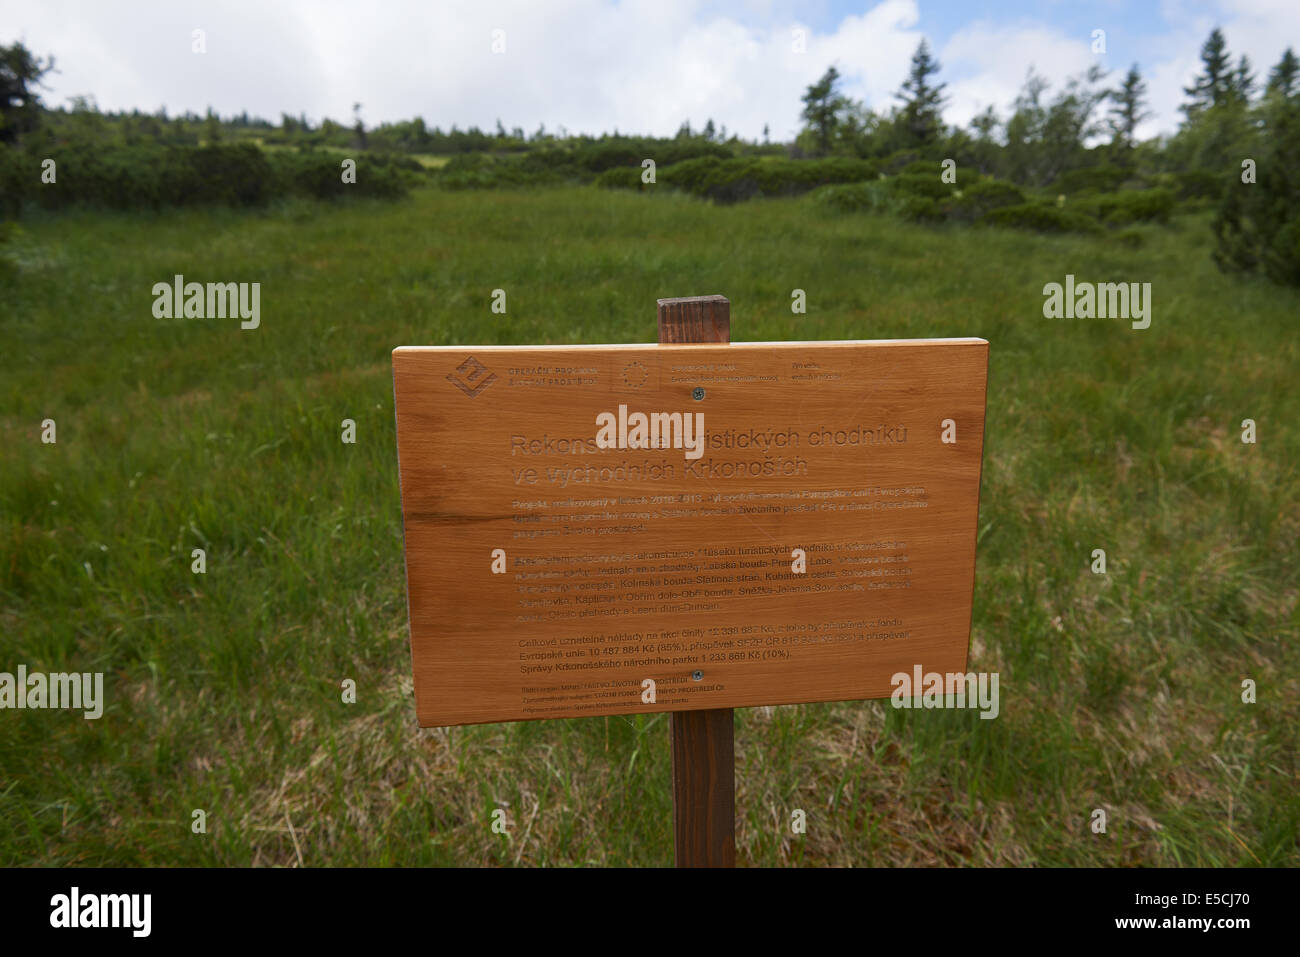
472,377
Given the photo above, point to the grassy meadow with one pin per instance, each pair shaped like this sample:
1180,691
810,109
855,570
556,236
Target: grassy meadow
1119,691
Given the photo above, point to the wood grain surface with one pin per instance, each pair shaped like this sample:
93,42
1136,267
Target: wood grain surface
677,564
704,788
703,742
694,319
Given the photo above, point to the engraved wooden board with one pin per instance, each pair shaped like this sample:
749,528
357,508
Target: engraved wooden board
580,519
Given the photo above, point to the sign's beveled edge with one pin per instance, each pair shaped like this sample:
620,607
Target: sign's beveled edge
800,344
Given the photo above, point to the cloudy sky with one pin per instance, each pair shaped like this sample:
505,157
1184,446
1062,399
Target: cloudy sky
589,66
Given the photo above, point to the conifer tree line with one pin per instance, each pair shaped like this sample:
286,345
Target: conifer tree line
1091,120
1237,128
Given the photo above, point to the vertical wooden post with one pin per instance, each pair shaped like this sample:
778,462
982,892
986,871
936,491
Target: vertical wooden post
704,748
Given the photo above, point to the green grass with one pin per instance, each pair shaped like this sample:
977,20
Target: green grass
1119,692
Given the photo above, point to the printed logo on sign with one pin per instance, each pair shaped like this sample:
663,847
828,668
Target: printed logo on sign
635,377
635,374
471,377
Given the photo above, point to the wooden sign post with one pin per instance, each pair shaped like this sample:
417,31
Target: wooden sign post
704,746
689,527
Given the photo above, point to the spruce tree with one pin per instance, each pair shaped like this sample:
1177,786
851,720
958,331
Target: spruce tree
1215,83
821,104
1282,78
1128,111
923,100
1243,80
20,74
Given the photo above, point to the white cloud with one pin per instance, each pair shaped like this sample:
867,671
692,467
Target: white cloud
635,65
991,63
1261,29
639,65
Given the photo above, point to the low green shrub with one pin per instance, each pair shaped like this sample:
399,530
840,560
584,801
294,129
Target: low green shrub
1132,238
622,177
927,186
981,198
1040,218
1198,184
872,196
679,151
921,198
713,177
549,167
1135,206
602,156
921,209
961,176
1103,179
151,176
733,180
785,178
897,162
320,175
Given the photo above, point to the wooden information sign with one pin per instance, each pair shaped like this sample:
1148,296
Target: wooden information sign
598,530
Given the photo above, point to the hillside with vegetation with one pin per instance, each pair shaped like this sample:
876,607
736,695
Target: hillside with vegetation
1060,161
1121,691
